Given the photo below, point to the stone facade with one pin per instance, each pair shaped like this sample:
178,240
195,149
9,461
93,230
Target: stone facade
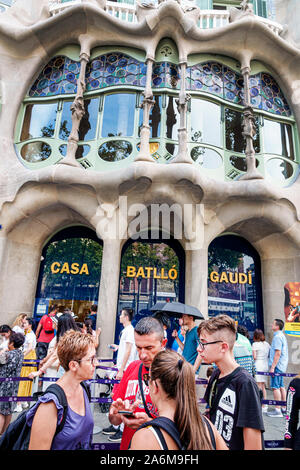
37,204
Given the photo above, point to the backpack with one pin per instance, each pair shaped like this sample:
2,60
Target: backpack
48,325
167,425
17,435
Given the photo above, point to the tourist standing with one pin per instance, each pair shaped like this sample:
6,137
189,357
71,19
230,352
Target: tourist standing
261,351
25,388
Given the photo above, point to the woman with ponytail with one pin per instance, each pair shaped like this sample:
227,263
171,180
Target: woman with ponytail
180,424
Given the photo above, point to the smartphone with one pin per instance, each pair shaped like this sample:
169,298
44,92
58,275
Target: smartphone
126,413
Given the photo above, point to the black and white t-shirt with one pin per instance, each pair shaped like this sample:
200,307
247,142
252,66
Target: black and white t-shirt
238,406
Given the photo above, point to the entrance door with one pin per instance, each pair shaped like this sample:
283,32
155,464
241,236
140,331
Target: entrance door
70,272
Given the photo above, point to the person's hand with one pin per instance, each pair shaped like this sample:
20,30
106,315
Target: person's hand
134,423
32,375
272,370
98,331
174,333
119,374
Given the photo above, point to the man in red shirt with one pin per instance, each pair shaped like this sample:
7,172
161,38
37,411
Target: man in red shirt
149,340
45,333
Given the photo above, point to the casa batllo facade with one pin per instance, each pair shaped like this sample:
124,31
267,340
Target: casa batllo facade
150,151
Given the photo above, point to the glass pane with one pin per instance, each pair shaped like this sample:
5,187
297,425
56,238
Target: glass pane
82,151
172,119
207,158
235,140
115,150
66,121
278,138
206,122
35,152
88,123
118,115
39,121
279,169
240,162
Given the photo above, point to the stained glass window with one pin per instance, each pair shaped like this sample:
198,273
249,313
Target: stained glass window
266,95
115,69
58,77
166,75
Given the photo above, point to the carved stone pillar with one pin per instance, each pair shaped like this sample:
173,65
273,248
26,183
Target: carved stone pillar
147,105
78,112
182,105
249,129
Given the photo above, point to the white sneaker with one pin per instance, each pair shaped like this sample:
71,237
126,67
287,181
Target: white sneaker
264,409
275,414
18,408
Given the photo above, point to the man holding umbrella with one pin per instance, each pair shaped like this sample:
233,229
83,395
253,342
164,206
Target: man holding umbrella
189,348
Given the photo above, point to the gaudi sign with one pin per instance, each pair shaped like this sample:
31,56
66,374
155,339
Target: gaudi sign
74,268
149,272
231,278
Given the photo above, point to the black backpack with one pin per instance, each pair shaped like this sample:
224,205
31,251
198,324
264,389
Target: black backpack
17,435
167,425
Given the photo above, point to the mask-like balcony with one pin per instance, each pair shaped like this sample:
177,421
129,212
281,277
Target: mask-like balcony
208,19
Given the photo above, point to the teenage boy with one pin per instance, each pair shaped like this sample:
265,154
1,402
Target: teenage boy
232,393
133,392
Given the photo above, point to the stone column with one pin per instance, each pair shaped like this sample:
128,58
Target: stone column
182,104
108,294
147,104
78,112
249,128
196,273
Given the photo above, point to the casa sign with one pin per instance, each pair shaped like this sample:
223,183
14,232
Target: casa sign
231,278
73,268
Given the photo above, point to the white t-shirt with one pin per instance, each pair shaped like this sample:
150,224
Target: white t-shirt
127,336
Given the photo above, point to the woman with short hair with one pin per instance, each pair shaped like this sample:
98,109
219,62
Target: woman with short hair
77,355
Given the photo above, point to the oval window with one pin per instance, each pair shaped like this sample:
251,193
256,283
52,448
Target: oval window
35,152
279,169
115,150
240,163
81,151
207,158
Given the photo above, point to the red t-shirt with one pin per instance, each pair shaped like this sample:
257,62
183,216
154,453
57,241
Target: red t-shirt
43,336
129,389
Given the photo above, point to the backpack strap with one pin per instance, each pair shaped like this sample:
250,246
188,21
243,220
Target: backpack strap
167,425
211,433
142,391
61,396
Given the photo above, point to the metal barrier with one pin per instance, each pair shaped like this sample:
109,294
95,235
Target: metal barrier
269,444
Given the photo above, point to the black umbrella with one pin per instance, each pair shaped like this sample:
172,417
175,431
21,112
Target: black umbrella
177,309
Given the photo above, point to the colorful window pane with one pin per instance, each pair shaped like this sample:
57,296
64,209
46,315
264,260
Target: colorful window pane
166,75
266,95
115,69
58,77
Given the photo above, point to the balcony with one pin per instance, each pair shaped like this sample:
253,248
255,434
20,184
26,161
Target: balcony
208,19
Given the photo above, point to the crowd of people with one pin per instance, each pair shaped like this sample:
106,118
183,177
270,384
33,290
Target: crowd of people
155,403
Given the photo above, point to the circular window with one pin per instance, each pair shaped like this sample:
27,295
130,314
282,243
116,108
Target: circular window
279,169
240,163
115,150
81,151
207,158
35,152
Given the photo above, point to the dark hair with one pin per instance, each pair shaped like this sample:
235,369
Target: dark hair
65,323
163,318
29,320
88,323
258,335
94,308
149,325
128,312
279,323
5,329
53,307
177,379
243,331
17,339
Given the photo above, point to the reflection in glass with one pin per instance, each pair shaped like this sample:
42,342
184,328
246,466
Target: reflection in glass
88,123
118,115
171,149
115,150
154,118
207,158
278,138
39,121
172,119
206,122
279,169
235,141
35,152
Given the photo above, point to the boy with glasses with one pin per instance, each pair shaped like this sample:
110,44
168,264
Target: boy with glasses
232,393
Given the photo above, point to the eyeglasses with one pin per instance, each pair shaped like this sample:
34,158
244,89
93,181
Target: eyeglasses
93,360
202,345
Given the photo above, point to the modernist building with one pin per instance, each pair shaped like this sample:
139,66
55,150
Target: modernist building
150,151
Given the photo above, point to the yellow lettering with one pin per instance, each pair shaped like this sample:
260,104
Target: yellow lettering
235,278
53,269
65,268
214,276
84,269
148,269
223,277
242,278
162,274
141,273
250,277
172,273
130,271
74,268
155,274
